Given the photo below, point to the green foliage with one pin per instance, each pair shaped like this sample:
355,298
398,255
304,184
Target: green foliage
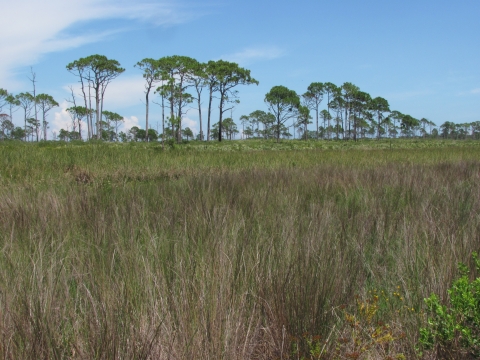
25,100
455,328
123,137
284,104
79,112
97,71
6,126
152,135
187,132
3,98
303,119
408,123
226,77
101,67
18,133
267,120
151,71
65,135
46,101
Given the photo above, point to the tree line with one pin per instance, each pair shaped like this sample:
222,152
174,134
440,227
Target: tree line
35,109
178,82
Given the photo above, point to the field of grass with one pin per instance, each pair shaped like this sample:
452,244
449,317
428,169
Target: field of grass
243,250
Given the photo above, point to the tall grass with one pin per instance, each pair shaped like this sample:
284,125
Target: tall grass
132,252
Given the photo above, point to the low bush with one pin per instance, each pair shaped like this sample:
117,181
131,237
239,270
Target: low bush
453,330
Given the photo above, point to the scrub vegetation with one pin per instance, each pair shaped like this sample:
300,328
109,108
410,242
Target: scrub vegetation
236,250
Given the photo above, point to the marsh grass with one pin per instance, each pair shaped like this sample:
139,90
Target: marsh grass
127,251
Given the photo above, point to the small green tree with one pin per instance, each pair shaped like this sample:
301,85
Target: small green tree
32,127
258,117
133,133
379,106
115,118
25,101
396,116
325,115
408,123
199,81
187,132
46,103
303,119
177,73
313,97
98,71
6,126
284,104
123,137
330,90
348,93
447,129
18,133
151,74
229,128
152,135
63,135
228,75
12,103
78,113
244,119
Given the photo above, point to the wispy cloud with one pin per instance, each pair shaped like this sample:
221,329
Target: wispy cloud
32,28
469,92
408,94
254,54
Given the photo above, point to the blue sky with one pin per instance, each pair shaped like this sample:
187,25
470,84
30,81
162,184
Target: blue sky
422,56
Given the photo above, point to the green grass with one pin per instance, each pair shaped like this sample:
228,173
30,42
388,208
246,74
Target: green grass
223,251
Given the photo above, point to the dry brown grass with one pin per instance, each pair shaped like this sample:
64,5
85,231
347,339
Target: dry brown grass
222,256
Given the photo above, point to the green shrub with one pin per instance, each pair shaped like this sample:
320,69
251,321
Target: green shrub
455,329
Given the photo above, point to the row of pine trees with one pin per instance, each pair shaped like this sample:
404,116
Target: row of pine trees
178,84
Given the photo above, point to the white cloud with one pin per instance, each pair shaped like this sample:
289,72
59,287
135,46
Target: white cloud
253,54
126,91
62,120
475,91
192,124
31,28
128,123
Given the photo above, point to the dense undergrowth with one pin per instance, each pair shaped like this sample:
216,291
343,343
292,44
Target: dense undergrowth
131,251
